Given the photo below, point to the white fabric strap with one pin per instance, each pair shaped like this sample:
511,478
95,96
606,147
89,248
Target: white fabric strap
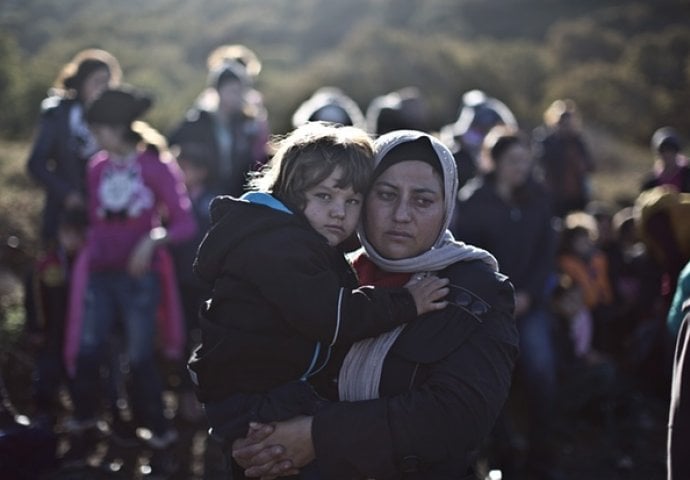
338,316
360,375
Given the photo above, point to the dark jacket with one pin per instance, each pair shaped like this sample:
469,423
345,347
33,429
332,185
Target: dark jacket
566,164
651,180
248,136
281,296
443,384
679,412
54,161
520,235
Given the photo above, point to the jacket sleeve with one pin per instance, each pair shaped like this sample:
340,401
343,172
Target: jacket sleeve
299,279
441,420
43,151
171,190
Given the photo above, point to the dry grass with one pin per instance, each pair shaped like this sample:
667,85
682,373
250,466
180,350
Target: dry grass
21,199
620,168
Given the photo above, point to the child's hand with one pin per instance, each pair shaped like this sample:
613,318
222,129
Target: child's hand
140,260
428,293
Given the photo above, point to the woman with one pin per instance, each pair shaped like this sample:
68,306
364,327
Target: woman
64,143
564,157
670,165
231,123
420,400
506,211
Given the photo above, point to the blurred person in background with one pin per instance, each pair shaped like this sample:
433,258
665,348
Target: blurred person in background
124,271
329,104
563,157
46,302
63,143
403,109
229,118
478,114
670,165
506,211
580,257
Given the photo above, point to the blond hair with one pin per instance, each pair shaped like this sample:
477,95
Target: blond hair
309,154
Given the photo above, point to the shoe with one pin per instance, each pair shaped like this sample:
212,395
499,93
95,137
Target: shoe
123,433
162,465
157,441
81,446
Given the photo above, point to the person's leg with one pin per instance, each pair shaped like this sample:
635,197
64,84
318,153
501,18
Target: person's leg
47,378
537,364
537,361
139,297
99,313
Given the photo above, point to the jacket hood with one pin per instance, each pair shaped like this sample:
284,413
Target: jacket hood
234,221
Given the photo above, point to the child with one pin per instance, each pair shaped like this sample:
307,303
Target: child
283,292
131,183
586,376
584,262
46,309
195,163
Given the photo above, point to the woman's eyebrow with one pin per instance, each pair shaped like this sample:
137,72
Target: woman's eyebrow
414,189
425,190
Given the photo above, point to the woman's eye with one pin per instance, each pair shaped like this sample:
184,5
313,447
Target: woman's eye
424,202
385,195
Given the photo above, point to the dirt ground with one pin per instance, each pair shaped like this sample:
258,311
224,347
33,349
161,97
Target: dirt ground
590,446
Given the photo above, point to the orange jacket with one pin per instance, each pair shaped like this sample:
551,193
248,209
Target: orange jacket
592,277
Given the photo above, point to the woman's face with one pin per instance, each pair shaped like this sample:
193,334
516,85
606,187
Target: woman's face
94,85
515,165
230,96
404,210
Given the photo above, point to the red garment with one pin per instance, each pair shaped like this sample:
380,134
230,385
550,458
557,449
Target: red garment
370,274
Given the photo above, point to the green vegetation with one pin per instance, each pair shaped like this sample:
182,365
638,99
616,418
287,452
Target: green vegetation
626,63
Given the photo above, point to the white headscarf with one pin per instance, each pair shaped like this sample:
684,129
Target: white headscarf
445,250
360,374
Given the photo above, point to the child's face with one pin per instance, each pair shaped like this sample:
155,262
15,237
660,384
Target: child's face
583,245
109,137
71,239
332,211
194,175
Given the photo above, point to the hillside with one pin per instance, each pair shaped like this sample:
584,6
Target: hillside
618,59
626,64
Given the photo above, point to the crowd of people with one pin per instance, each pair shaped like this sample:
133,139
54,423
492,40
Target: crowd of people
485,300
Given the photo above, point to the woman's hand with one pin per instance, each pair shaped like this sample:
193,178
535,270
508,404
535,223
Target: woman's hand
281,452
428,293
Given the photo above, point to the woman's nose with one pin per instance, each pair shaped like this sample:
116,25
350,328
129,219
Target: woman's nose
401,212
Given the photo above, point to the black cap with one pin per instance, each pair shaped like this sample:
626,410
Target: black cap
119,106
